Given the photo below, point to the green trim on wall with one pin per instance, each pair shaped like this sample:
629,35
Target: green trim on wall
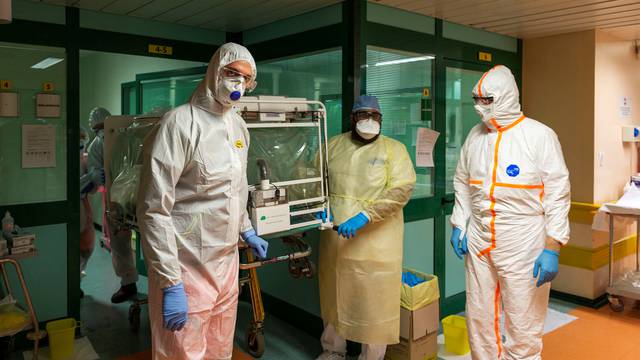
399,18
38,11
579,300
323,17
36,33
476,36
149,28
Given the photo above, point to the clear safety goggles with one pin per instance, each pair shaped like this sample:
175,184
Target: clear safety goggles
249,81
483,100
364,115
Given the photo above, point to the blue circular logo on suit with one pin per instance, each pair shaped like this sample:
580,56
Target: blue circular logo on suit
513,170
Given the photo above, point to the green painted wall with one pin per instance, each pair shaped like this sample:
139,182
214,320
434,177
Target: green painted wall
36,11
20,186
312,20
45,274
474,36
400,18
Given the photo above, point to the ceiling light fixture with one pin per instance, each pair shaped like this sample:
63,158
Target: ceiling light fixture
50,61
404,61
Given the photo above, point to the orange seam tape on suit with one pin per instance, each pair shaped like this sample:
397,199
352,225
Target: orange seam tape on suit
494,182
475,182
496,319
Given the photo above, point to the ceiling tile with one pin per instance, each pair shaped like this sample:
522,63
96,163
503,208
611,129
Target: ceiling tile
157,7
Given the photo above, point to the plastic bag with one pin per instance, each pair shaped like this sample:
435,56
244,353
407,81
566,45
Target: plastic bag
12,318
419,295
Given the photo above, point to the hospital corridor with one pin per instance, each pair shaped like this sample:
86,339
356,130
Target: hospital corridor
320,179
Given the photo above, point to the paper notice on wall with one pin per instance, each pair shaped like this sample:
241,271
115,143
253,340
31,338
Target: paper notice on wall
625,107
48,105
38,146
425,143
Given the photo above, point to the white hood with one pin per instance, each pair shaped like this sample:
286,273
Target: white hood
500,84
204,96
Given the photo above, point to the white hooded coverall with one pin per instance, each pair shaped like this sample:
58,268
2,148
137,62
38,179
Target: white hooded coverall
122,256
512,192
191,211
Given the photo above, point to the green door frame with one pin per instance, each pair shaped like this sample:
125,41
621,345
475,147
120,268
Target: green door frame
453,304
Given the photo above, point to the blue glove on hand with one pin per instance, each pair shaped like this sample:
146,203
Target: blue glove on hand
256,243
322,215
174,307
349,228
547,266
459,245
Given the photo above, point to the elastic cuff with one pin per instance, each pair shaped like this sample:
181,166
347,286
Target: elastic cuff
245,235
549,251
365,215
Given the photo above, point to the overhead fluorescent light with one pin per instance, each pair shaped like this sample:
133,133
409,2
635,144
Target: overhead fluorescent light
404,61
46,63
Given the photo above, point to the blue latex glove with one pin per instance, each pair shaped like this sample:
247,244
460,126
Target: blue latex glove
547,266
174,307
322,215
349,228
459,245
256,243
411,279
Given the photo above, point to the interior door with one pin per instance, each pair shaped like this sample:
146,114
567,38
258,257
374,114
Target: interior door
460,118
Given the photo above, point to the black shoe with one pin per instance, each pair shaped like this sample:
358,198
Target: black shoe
125,293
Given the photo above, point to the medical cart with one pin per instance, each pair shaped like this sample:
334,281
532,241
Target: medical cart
36,334
627,286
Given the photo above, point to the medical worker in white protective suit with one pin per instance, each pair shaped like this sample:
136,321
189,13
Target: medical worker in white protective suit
371,178
192,212
122,256
510,219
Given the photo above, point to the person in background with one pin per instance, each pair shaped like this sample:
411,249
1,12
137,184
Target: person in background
371,178
87,186
122,255
192,211
512,200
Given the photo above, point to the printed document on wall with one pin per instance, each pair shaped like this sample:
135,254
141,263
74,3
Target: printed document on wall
38,146
425,143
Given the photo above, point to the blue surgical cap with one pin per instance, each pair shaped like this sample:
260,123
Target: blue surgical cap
366,103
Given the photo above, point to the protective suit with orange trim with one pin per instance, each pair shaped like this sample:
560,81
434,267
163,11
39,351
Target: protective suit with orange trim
512,203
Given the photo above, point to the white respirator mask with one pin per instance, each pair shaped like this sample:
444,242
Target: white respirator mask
368,128
230,90
486,112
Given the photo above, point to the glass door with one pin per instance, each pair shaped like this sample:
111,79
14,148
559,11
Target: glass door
460,118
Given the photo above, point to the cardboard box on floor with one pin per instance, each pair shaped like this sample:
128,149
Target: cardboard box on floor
418,327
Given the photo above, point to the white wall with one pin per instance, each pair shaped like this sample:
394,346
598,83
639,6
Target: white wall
617,74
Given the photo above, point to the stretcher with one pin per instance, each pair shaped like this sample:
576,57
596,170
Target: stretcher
290,135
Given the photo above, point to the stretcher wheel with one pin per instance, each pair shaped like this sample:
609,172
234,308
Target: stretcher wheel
134,318
310,270
294,269
616,304
255,342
